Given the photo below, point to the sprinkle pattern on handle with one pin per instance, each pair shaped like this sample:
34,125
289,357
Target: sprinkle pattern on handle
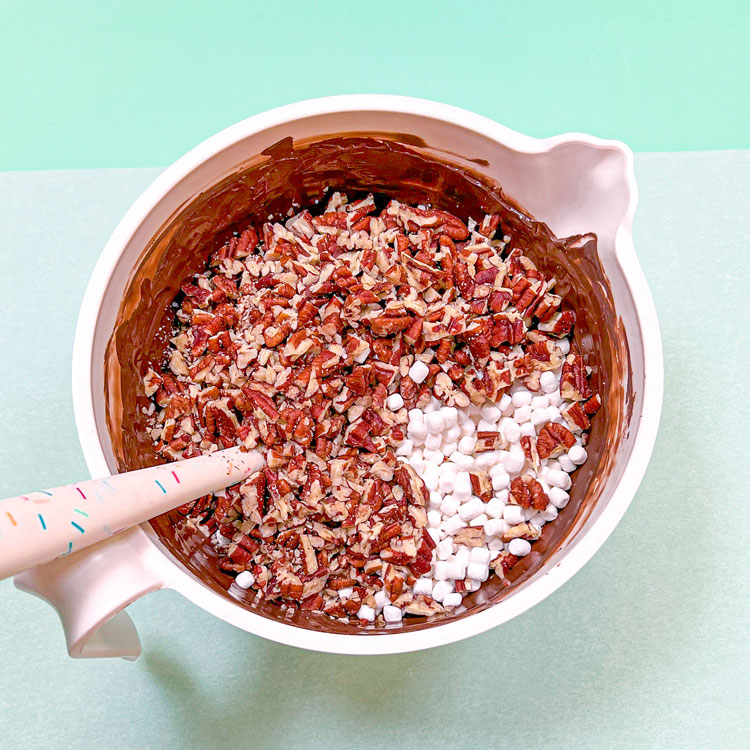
77,515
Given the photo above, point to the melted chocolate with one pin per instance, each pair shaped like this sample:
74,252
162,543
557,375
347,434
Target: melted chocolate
396,165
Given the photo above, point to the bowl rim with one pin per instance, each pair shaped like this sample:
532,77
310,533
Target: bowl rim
546,581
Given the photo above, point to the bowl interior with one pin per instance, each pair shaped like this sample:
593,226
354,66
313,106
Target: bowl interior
413,159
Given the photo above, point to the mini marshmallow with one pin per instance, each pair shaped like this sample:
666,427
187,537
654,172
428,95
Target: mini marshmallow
452,434
450,416
453,525
440,570
467,444
471,509
554,413
463,555
441,589
538,417
435,500
513,514
394,402
514,462
548,382
346,593
494,527
452,600
519,547
477,572
480,555
485,426
500,479
448,448
422,586
472,585
578,455
366,613
494,508
564,346
521,398
463,415
522,414
491,413
391,614
434,423
468,428
462,487
405,449
566,464
462,460
510,430
505,404
488,459
528,430
479,520
417,464
559,498
444,549
450,505
433,456
434,518
419,371
433,442
431,475
496,544
381,598
549,513
555,399
416,415
436,535
456,571
539,402
245,579
417,432
557,478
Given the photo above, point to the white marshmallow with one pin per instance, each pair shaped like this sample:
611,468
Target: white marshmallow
422,586
477,572
565,463
554,413
417,432
494,508
405,449
448,448
444,549
431,475
539,417
417,464
557,478
450,505
500,479
496,544
434,518
463,415
522,414
521,398
447,481
450,416
480,555
528,429
467,444
494,527
245,579
479,520
471,509
462,460
434,423
488,459
419,371
463,555
548,382
381,598
453,525
485,426
472,585
452,434
510,430
559,498
549,513
394,402
491,413
555,399
514,462
456,571
519,547
506,405
366,613
450,601
416,415
468,428
436,535
433,456
440,570
391,613
539,402
564,346
513,514
346,593
432,442
462,486
441,589
578,455
435,500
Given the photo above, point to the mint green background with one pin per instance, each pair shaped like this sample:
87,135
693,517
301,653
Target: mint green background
111,84
646,647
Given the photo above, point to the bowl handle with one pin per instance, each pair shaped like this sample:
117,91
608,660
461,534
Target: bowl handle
90,590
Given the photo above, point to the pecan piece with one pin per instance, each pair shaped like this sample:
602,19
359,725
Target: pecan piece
528,493
554,439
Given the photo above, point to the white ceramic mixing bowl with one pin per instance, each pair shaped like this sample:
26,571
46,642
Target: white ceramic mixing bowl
574,183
